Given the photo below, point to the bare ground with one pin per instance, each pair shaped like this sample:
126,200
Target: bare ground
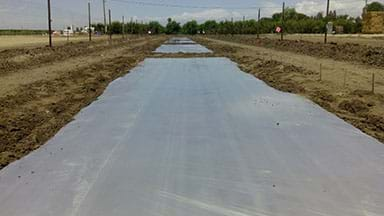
30,41
350,52
42,92
299,73
374,40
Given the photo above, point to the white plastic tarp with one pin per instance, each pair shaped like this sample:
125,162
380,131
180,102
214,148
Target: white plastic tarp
198,137
181,45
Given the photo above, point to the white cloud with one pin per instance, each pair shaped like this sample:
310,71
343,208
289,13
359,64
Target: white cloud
201,16
309,7
218,14
353,8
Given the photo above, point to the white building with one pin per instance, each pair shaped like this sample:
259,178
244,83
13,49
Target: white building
68,32
86,29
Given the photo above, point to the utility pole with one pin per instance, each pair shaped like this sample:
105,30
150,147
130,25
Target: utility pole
243,26
89,21
68,35
326,23
110,25
258,24
282,22
232,30
49,23
131,25
123,27
105,18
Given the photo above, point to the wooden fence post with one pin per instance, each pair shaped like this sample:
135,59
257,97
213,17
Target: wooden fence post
373,83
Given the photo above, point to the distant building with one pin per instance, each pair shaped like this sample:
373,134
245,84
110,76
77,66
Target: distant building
86,29
339,29
68,32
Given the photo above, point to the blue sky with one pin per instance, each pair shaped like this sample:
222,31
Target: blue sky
32,13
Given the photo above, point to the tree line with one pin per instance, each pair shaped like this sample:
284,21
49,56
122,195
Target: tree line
294,22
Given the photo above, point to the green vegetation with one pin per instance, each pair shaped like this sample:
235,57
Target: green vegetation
172,27
116,27
155,27
22,32
130,28
191,28
375,6
294,23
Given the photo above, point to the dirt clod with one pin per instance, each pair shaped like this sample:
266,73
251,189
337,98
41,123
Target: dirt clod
354,106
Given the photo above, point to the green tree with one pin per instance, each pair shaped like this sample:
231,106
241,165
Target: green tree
155,27
294,23
267,25
191,27
319,16
210,27
172,27
289,14
99,27
375,6
115,28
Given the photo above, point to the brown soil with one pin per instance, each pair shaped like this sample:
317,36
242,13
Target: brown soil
343,51
375,40
21,58
59,82
30,41
359,107
355,106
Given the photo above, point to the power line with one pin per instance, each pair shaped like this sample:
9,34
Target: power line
42,6
186,6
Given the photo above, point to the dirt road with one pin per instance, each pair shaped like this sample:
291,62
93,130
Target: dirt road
30,41
376,40
299,73
42,88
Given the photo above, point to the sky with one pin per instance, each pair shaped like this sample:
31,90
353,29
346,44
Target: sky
32,14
